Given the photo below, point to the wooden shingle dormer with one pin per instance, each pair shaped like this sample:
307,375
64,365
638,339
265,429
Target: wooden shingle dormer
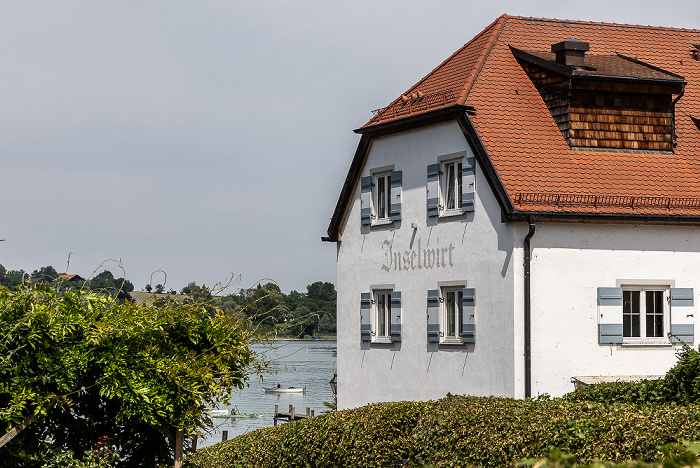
605,101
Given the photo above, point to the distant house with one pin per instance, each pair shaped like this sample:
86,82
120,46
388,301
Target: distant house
525,218
69,278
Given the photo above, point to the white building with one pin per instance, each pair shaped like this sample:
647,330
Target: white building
527,215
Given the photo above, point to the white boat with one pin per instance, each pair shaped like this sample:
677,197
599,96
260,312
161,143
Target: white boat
284,389
226,414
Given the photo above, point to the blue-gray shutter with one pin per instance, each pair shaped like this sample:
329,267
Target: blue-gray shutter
468,315
366,200
395,204
682,315
433,190
395,315
366,317
433,316
610,315
468,183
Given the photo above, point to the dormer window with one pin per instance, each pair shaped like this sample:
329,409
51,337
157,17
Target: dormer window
605,102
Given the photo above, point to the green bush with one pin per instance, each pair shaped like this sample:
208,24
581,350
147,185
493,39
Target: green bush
461,431
680,385
646,391
616,422
360,437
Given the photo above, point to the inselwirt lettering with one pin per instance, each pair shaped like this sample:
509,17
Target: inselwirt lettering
439,257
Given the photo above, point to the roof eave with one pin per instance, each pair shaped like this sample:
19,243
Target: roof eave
414,121
522,215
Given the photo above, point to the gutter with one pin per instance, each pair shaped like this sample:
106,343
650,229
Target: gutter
528,309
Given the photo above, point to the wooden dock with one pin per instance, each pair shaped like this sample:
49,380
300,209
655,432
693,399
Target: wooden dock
292,415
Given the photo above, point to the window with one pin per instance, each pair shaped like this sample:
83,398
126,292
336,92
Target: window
647,313
451,184
451,315
381,316
644,313
380,197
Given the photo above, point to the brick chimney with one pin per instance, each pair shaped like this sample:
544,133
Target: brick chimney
570,52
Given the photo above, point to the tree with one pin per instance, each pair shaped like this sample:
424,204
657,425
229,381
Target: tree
159,288
321,291
13,278
148,288
45,274
76,364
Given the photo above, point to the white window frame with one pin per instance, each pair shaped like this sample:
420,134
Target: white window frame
450,184
379,178
381,309
642,289
445,311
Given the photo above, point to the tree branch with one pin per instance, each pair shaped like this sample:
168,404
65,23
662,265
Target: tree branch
17,429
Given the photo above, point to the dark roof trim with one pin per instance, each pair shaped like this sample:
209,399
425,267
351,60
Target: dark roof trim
569,72
358,161
458,113
414,121
629,218
487,166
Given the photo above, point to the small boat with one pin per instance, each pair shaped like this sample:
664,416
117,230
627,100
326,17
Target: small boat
238,416
284,389
223,413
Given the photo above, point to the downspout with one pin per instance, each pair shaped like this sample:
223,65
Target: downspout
528,353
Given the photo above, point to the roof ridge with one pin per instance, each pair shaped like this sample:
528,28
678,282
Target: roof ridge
498,27
602,23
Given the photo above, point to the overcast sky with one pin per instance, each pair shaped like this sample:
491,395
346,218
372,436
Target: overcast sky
207,138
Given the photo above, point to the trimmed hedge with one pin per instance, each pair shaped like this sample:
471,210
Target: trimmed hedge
460,431
360,437
615,422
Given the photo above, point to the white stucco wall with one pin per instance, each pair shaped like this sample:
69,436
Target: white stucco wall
570,261
482,249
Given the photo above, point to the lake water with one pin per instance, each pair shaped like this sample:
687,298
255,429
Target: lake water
294,363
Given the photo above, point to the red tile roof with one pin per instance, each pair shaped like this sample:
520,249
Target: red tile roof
533,161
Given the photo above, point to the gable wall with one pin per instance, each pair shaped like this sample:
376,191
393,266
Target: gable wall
570,261
482,256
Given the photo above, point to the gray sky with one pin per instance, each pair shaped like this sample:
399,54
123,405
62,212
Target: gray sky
206,138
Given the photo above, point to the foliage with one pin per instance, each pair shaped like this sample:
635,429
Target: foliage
361,437
674,456
462,431
680,385
101,456
646,391
88,364
293,315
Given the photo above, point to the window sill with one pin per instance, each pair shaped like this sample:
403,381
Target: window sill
647,343
450,214
452,342
383,222
382,340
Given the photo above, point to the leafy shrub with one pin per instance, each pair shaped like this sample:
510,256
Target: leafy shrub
461,431
646,391
682,382
360,437
680,385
